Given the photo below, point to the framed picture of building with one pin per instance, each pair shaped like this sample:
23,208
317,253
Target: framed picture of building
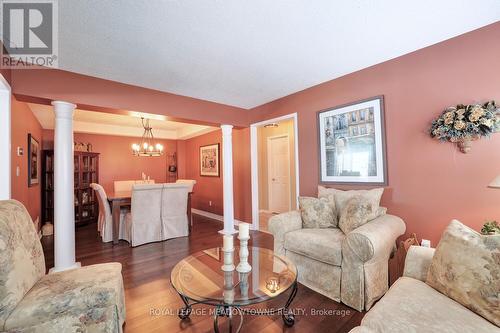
209,160
352,143
33,154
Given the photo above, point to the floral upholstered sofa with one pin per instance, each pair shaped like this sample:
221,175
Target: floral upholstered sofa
411,305
349,267
88,299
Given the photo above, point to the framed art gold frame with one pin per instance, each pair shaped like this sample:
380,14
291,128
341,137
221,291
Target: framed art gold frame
210,160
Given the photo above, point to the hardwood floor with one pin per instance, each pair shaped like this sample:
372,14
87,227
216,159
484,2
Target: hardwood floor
152,303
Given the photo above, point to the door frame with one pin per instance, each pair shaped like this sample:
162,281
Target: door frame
254,158
269,183
5,139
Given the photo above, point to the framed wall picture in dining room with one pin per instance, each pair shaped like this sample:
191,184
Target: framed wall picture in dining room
33,157
210,160
352,143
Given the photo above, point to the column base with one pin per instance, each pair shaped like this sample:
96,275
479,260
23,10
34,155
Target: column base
228,232
56,270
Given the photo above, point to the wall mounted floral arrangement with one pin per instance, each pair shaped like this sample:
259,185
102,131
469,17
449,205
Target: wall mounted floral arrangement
462,124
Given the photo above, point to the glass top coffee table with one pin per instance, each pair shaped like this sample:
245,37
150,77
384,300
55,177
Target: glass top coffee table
199,279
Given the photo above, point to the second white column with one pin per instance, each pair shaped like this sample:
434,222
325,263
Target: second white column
227,172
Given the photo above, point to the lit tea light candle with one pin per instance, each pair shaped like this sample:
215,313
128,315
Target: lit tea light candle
273,284
244,230
227,244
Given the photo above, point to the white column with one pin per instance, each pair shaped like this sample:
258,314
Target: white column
64,207
227,180
5,140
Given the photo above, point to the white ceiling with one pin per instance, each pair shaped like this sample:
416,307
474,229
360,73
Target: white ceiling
246,53
113,124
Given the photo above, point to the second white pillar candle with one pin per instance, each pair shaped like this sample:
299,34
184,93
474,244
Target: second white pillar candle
244,230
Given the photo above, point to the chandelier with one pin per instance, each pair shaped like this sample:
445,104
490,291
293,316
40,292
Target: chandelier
147,147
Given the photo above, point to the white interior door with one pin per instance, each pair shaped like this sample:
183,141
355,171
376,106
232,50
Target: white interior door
278,161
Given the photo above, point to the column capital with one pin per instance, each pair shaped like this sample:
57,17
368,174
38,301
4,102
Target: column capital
63,103
63,109
226,128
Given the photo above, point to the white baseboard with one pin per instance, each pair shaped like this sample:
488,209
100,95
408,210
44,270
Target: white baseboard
213,216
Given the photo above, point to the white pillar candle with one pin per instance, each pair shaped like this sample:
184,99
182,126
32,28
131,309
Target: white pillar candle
64,209
244,230
227,244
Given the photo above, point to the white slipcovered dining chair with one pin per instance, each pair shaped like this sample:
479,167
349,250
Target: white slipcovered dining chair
145,216
191,183
105,219
159,212
126,185
174,210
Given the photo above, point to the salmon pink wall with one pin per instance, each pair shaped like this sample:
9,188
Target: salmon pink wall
429,182
6,74
242,181
210,188
181,159
23,122
46,85
116,161
206,188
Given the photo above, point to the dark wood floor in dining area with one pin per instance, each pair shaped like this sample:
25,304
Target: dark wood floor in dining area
151,301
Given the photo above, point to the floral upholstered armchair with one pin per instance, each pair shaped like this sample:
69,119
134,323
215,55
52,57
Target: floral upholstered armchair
88,299
349,267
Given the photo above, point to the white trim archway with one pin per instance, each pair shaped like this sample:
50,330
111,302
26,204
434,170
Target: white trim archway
255,162
5,139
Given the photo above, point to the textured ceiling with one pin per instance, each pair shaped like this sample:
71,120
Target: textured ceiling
246,53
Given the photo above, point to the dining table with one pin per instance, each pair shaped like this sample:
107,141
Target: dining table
119,199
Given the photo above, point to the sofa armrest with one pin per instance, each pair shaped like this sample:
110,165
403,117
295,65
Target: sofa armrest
418,260
375,239
280,224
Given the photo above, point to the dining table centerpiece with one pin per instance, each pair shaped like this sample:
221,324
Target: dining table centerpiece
462,124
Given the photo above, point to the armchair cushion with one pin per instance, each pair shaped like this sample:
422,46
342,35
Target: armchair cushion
356,212
341,197
318,213
21,261
466,268
89,298
324,245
